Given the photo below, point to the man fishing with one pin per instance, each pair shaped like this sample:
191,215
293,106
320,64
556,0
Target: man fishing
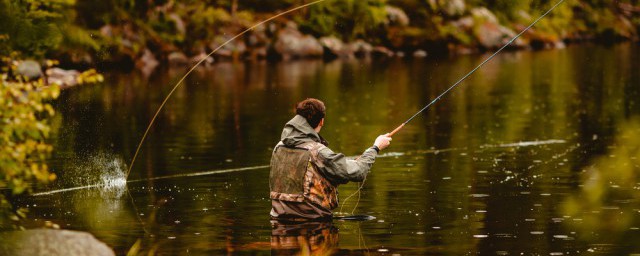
305,173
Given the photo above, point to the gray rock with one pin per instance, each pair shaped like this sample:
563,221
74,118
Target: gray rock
290,43
361,48
453,7
147,62
335,47
489,32
420,54
65,78
381,51
51,242
30,69
177,59
396,16
233,49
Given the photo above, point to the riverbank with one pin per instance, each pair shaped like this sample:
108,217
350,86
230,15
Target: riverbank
181,34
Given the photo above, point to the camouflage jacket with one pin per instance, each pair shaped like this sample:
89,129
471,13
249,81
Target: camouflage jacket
319,178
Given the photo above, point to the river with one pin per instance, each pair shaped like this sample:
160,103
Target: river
489,169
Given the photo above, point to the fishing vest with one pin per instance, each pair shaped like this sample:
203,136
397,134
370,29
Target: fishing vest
294,176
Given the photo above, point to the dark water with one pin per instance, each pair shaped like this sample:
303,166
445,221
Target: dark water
487,170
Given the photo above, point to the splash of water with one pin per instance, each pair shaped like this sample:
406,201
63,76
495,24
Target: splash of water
102,171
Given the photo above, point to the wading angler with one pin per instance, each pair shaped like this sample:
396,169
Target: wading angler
305,173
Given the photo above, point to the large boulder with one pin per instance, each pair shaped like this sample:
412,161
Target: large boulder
291,43
334,47
51,242
62,77
489,32
361,48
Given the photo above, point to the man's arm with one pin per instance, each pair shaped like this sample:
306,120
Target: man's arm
341,170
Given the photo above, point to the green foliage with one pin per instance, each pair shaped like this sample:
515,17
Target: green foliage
37,27
23,130
348,19
612,180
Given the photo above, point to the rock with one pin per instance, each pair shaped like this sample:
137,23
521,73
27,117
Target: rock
489,33
30,69
65,78
396,16
464,23
290,43
360,48
106,31
208,60
147,62
453,7
233,49
334,47
177,59
51,242
483,14
179,23
381,51
420,54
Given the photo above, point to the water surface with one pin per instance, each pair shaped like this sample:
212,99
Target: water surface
485,170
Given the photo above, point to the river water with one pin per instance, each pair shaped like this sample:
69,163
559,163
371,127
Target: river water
490,169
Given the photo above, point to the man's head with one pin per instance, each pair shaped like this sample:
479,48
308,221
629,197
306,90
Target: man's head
313,110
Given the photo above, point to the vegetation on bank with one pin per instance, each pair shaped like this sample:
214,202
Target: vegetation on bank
135,33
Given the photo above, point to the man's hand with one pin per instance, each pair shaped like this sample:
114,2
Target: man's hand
382,141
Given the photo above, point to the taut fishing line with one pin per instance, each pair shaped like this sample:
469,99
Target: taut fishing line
456,84
197,64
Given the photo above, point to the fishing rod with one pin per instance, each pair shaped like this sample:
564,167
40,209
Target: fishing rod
397,129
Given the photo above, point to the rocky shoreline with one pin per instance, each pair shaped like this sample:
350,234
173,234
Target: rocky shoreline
473,31
452,28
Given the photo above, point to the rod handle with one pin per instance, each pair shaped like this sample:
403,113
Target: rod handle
396,130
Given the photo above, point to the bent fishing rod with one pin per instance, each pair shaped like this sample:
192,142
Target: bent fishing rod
146,132
436,99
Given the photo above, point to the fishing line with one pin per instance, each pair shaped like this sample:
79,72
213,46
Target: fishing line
196,65
397,129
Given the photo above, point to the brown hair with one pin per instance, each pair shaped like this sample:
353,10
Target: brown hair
311,109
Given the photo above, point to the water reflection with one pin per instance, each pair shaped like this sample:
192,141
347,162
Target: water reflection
309,238
484,171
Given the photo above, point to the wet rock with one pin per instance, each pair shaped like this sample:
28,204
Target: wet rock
381,51
177,59
232,50
396,16
420,54
30,69
64,78
51,242
208,60
360,48
334,47
489,33
147,62
291,43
